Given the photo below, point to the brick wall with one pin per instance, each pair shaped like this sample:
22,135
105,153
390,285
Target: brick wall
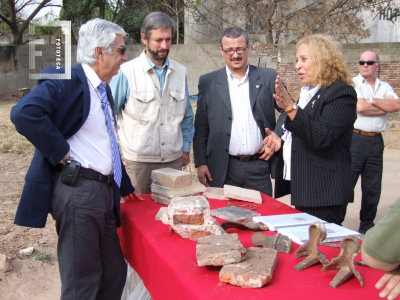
389,70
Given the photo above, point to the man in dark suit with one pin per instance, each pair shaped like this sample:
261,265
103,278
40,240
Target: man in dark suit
71,123
235,112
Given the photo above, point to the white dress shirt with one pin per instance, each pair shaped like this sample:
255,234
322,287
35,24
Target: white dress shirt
306,94
365,90
246,138
91,145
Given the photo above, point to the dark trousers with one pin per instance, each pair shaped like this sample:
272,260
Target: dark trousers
255,174
331,214
90,258
367,161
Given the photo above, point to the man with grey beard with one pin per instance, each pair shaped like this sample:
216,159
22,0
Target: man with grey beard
152,100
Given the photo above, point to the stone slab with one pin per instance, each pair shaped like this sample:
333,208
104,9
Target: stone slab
254,272
219,250
214,193
238,193
171,178
174,193
233,213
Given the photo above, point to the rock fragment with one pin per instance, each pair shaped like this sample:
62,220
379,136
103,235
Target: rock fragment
4,264
254,272
219,250
171,178
238,193
233,213
27,251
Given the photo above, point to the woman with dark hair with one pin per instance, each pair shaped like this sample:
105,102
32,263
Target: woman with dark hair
315,159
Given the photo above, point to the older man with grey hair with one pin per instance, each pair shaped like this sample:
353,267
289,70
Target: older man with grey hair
76,173
152,98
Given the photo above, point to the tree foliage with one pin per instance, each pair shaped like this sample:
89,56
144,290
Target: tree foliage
12,14
286,21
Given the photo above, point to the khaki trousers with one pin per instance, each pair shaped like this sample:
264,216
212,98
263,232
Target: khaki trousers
140,172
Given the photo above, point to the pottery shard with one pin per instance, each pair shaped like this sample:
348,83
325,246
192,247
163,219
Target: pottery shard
214,193
255,272
161,199
237,193
171,178
174,193
233,213
220,250
197,219
4,264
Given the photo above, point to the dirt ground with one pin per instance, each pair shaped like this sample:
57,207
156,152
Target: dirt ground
36,277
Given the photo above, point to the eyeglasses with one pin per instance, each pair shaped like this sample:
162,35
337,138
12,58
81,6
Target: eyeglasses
368,62
122,49
231,51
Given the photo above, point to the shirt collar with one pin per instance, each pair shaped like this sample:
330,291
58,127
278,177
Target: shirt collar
153,65
361,79
231,76
91,75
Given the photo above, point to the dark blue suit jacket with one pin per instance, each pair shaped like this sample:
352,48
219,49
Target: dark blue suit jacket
51,113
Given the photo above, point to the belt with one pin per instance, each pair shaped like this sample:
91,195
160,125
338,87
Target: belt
245,158
89,174
366,133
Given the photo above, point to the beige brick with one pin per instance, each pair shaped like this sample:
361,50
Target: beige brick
171,178
237,193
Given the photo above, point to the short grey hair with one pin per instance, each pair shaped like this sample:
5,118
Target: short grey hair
233,33
155,20
96,33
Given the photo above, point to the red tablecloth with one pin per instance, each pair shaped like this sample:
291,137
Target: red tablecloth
168,266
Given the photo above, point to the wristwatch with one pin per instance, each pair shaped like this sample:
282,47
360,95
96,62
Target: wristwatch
294,107
371,100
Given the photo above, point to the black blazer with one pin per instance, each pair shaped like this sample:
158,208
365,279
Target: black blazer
50,114
213,122
321,139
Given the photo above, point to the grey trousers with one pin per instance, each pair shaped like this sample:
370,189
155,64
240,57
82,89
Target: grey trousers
140,172
91,262
255,174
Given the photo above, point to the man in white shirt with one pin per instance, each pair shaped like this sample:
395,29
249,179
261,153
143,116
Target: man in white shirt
76,174
375,99
235,112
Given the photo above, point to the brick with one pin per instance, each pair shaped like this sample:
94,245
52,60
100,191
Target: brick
174,193
254,272
190,217
214,193
171,178
238,193
161,199
220,250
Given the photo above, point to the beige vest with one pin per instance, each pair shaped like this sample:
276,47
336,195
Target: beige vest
150,124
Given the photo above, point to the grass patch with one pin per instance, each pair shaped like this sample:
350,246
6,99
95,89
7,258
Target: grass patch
45,257
10,140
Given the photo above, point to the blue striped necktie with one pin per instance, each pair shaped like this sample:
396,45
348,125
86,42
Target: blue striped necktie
114,144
